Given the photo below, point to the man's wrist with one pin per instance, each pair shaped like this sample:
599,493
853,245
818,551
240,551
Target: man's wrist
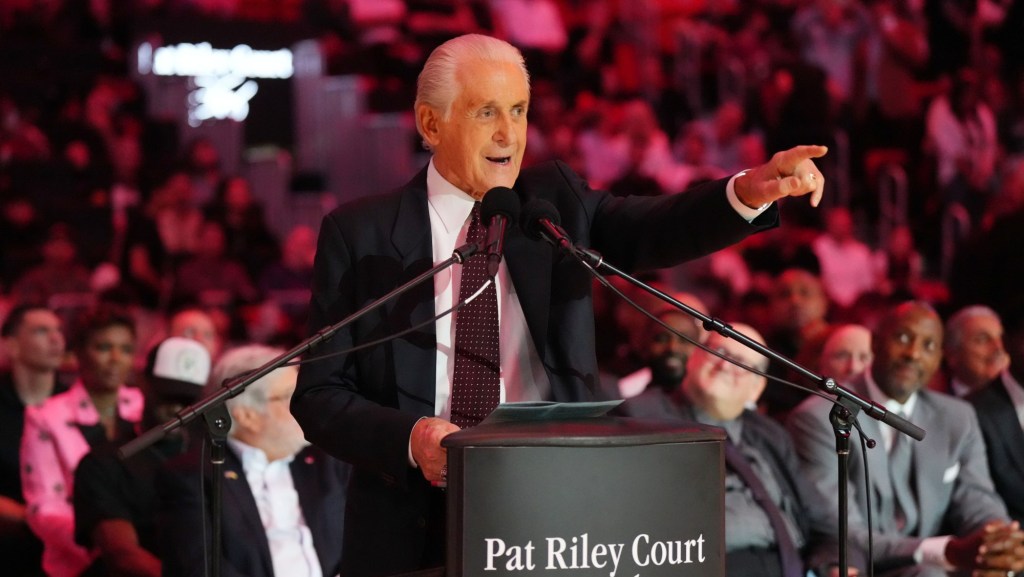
932,551
740,206
741,186
412,460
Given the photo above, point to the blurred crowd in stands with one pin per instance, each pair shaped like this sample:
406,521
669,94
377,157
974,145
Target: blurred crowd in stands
921,103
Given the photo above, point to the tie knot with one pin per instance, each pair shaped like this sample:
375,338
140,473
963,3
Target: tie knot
476,231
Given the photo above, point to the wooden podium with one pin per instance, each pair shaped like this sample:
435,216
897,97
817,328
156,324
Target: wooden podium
608,497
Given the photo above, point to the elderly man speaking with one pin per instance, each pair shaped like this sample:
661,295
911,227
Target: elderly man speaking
529,335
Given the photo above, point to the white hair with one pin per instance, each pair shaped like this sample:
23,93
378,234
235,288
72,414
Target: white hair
438,85
241,360
956,324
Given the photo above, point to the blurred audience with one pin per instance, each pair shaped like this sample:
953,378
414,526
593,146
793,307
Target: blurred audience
33,341
247,237
846,353
212,277
60,271
98,409
115,500
847,267
664,352
798,308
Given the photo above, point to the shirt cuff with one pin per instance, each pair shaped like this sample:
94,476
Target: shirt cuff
932,551
748,214
412,462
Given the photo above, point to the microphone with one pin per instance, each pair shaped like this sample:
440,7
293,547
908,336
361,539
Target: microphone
499,206
540,221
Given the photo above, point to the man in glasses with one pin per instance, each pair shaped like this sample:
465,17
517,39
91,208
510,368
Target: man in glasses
775,523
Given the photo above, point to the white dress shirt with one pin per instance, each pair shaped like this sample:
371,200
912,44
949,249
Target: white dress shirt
291,542
522,375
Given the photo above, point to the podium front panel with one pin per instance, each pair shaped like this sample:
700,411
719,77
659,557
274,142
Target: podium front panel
587,509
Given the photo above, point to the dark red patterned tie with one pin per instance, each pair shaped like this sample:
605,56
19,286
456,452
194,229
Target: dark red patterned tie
475,387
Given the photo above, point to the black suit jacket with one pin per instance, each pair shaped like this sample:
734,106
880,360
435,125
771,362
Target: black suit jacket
361,407
1004,444
814,513
319,481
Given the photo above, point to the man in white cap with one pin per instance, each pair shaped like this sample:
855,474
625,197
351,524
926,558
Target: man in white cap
115,501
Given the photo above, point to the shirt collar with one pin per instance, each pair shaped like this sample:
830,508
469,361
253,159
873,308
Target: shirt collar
451,205
253,458
893,406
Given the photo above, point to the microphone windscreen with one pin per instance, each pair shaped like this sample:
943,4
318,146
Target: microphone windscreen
535,211
500,200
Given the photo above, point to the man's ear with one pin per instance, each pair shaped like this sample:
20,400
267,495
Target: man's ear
427,120
247,418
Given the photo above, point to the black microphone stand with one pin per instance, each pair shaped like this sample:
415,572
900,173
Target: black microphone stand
215,413
847,404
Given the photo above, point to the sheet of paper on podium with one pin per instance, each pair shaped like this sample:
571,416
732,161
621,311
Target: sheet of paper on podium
548,411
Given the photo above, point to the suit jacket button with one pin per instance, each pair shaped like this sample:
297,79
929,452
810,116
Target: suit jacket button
422,522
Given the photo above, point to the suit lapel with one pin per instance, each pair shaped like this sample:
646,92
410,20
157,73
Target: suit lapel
877,460
410,235
529,265
238,500
927,465
411,231
306,481
1005,417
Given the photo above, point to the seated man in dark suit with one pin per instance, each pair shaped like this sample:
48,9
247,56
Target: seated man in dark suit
115,500
933,504
283,500
718,393
1000,408
973,350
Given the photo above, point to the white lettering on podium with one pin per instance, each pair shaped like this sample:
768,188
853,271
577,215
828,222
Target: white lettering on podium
578,553
517,558
666,552
581,555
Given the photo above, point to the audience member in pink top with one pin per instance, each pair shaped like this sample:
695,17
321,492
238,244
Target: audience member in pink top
97,409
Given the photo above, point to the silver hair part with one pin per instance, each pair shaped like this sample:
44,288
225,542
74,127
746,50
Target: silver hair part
438,86
235,363
955,324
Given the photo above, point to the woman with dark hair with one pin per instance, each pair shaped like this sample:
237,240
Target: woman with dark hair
97,410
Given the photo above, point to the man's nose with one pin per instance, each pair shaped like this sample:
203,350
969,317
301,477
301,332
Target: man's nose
504,134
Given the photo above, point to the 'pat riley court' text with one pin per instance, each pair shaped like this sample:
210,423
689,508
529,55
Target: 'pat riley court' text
577,553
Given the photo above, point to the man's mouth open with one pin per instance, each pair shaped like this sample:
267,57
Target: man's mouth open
500,160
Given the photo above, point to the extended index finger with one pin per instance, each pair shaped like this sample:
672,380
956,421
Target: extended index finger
788,160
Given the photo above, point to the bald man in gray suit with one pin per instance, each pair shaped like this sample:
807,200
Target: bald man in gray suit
940,514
